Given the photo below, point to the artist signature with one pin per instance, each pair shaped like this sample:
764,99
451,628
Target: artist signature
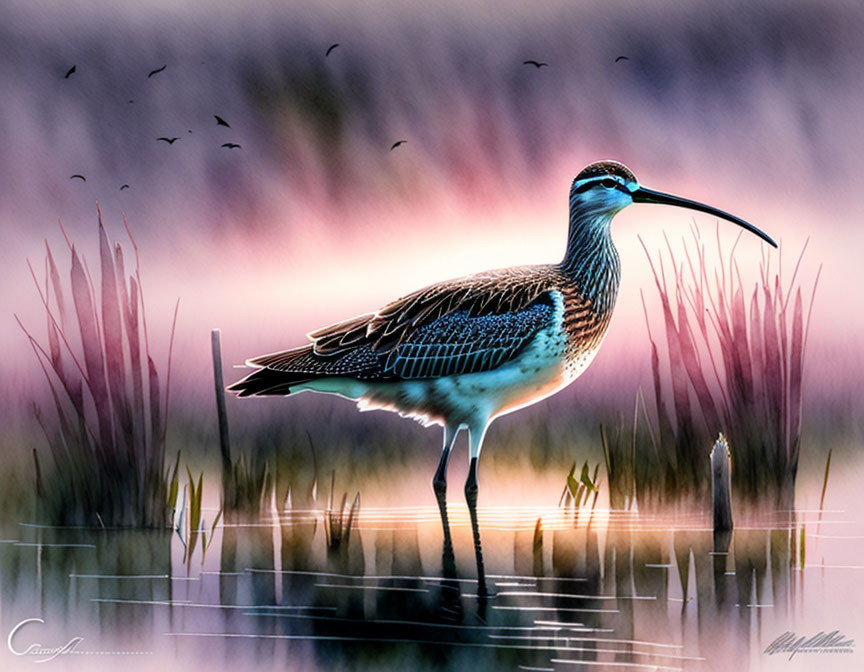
831,642
48,653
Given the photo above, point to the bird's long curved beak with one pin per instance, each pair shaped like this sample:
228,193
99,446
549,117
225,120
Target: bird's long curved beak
643,195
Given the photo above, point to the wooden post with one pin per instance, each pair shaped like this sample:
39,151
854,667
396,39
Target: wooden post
224,444
721,485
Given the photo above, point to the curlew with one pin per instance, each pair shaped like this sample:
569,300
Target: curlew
464,352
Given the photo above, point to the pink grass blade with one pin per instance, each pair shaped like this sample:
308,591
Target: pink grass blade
71,383
136,355
168,372
773,370
782,331
54,275
795,271
680,396
666,439
129,311
739,339
757,351
666,435
140,286
155,407
93,358
112,331
796,374
690,358
54,346
42,357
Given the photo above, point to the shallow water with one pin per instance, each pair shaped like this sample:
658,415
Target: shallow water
615,590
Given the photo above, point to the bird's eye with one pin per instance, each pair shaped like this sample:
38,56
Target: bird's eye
609,183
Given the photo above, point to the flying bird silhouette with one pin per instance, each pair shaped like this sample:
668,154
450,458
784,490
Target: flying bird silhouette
157,71
536,64
221,122
170,141
125,186
621,58
69,73
397,143
80,177
232,145
329,49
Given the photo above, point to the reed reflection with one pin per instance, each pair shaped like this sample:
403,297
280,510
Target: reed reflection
383,588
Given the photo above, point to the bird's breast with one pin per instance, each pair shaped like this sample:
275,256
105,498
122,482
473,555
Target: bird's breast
585,327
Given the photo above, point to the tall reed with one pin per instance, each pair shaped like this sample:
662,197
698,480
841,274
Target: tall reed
106,442
734,364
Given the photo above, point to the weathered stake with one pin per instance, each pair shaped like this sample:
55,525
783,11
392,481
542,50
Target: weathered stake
224,444
721,485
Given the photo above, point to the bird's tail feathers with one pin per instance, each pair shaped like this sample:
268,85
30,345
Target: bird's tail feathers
267,382
275,373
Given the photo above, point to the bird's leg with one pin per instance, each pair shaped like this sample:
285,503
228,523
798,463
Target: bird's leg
451,594
471,489
439,485
439,482
471,498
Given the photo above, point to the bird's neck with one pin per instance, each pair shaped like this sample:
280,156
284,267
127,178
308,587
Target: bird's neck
591,260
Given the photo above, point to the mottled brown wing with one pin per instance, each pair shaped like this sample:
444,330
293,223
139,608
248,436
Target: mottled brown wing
490,293
336,337
455,343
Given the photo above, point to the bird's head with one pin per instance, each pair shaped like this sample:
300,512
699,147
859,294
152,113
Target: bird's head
604,188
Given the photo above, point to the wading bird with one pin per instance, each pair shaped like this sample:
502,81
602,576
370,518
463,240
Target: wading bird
463,352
